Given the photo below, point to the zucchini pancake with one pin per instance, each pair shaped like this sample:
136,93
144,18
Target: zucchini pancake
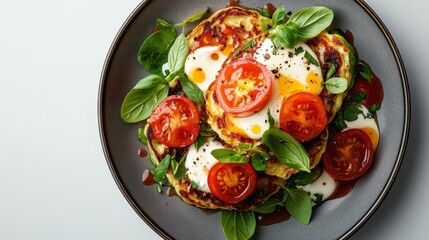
254,109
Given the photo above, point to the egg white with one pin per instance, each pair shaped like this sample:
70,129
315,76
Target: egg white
202,65
367,124
198,163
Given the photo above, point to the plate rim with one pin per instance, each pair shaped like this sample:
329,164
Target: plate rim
363,219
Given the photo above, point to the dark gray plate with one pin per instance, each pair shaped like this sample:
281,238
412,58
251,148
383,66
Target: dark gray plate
172,218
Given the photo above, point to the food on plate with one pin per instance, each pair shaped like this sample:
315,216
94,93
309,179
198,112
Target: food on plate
255,110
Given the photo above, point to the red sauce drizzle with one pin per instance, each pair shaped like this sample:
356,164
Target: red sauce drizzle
278,216
171,192
343,189
233,3
147,178
142,152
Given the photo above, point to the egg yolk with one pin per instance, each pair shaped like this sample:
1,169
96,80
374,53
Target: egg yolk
373,135
233,127
256,129
314,82
288,85
197,75
226,50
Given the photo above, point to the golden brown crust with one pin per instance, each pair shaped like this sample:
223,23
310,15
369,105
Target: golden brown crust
229,28
332,50
267,186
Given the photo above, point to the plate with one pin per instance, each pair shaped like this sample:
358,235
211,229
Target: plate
172,218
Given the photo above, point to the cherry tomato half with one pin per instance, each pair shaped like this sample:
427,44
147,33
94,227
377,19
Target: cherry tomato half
349,155
373,89
175,121
243,87
232,182
303,116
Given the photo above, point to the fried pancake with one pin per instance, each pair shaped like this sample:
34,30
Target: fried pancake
229,28
334,49
266,186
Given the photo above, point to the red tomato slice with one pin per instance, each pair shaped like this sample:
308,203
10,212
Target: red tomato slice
175,121
303,116
232,182
349,155
243,87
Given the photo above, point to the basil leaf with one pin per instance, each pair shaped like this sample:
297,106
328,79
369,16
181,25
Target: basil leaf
331,71
357,97
153,52
374,108
164,25
310,59
339,121
298,51
196,17
178,53
229,156
284,36
336,85
143,98
279,15
298,204
271,120
258,162
305,178
199,142
161,170
268,206
311,21
141,136
191,89
181,172
286,149
352,112
304,24
365,72
238,225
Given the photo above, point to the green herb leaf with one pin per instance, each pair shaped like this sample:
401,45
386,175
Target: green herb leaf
351,113
206,130
286,149
279,15
196,17
339,122
191,90
298,51
304,178
153,52
264,12
310,59
336,85
302,25
164,25
238,225
200,141
298,204
268,206
365,72
357,97
258,162
374,108
143,98
178,53
229,156
271,120
161,170
141,136
331,71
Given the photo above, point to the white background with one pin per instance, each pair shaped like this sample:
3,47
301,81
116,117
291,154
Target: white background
54,180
